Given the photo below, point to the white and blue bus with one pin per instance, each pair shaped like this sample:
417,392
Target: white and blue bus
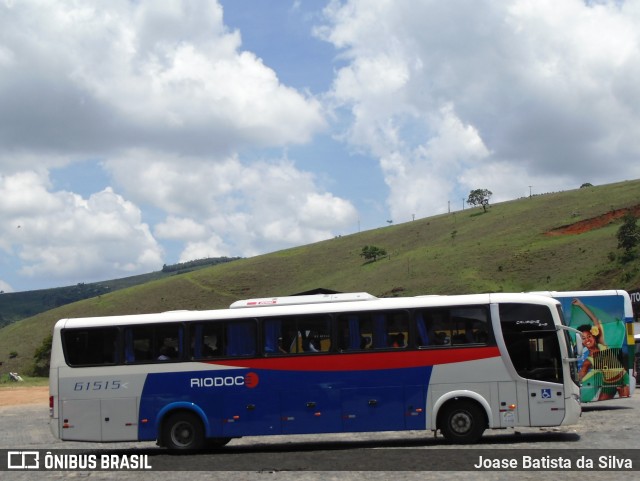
314,364
604,342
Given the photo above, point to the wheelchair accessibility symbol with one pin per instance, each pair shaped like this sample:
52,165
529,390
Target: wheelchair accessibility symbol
546,393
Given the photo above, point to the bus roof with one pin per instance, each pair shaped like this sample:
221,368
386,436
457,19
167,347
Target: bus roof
605,292
366,302
298,300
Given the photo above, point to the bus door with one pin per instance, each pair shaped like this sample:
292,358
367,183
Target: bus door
533,346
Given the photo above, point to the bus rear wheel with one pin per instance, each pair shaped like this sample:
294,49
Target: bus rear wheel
462,422
183,431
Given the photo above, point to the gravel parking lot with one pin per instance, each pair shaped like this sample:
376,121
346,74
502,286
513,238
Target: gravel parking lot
611,425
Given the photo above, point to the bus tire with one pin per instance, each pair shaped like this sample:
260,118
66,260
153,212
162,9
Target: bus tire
462,422
183,431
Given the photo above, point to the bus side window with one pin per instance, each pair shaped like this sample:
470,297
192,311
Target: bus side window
375,330
273,342
434,327
350,334
152,344
138,342
168,342
470,325
314,333
205,340
452,326
423,337
397,329
90,347
241,338
296,334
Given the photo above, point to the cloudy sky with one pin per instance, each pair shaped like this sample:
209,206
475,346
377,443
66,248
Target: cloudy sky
139,133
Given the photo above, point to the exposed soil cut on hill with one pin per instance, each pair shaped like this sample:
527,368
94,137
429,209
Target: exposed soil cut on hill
594,223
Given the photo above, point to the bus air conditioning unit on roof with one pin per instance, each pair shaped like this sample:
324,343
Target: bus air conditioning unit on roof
297,300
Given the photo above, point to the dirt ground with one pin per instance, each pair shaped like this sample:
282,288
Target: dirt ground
15,396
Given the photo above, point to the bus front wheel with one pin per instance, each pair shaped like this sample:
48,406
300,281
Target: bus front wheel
182,431
462,422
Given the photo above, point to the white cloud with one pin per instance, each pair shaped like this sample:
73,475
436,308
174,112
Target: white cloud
226,207
532,92
164,75
162,94
180,229
60,235
213,246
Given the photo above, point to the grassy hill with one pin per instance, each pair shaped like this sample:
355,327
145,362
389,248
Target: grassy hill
515,246
19,305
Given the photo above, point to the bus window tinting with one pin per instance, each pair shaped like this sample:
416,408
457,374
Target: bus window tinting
240,338
452,326
296,334
373,330
216,339
90,347
207,339
153,343
530,336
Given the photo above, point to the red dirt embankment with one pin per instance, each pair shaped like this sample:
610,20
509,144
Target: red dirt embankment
594,223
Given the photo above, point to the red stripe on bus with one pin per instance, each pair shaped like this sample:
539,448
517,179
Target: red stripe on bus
364,361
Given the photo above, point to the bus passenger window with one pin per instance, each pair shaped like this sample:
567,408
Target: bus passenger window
423,337
90,347
272,335
138,344
434,327
150,344
350,334
205,340
373,330
396,325
296,334
314,334
168,342
241,338
452,326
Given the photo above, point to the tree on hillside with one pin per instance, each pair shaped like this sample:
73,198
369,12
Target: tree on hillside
480,197
42,357
372,253
628,235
